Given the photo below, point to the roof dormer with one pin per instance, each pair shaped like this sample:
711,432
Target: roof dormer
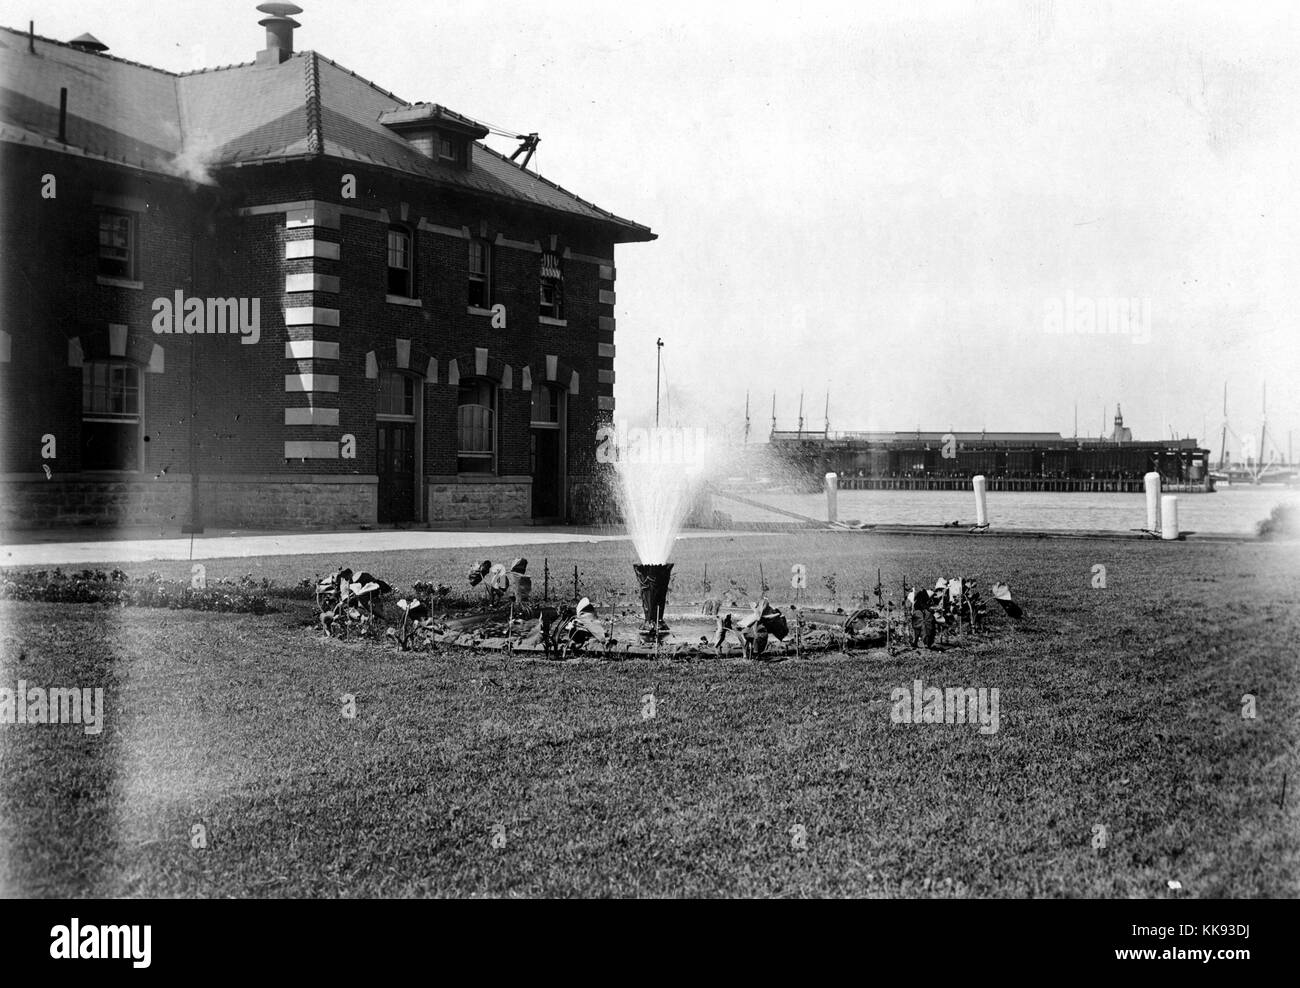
439,134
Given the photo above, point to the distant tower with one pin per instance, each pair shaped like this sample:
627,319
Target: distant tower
1121,434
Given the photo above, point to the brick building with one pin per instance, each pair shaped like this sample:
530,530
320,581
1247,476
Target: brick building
274,294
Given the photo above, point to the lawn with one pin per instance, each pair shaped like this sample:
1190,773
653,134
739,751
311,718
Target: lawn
480,774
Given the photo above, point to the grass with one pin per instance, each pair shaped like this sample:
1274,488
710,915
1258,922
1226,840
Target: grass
1120,708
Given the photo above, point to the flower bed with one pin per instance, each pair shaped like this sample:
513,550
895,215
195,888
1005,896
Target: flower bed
242,596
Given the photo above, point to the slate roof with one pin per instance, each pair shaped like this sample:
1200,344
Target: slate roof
245,114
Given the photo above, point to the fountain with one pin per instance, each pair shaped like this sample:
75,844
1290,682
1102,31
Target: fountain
657,477
659,473
653,580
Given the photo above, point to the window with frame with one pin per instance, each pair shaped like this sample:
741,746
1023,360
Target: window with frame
110,415
476,426
480,274
401,262
117,237
396,395
548,404
552,279
448,149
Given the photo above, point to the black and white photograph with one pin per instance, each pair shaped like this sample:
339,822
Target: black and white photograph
693,450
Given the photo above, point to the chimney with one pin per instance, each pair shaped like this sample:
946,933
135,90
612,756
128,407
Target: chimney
88,42
279,24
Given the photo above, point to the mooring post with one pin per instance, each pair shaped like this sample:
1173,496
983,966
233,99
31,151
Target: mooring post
832,491
1169,517
1152,483
980,485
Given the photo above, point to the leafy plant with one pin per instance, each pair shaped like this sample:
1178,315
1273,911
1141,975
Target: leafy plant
348,603
416,627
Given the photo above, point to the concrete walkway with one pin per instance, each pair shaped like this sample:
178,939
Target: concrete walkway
225,544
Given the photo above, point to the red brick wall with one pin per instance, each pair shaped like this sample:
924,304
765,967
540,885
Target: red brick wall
195,240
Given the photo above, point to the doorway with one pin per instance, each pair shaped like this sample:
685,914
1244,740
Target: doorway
396,471
397,447
546,446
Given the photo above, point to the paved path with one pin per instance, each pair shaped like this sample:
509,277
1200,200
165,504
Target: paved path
238,545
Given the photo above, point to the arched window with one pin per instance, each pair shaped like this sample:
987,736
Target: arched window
110,415
476,414
401,262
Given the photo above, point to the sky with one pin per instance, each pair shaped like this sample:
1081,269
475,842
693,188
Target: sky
918,209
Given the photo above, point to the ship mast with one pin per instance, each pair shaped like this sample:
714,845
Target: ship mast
1263,428
1223,440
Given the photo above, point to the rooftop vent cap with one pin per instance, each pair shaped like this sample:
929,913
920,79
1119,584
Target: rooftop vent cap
88,42
279,24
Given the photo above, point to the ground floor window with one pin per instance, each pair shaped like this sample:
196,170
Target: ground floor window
548,404
397,395
110,415
476,426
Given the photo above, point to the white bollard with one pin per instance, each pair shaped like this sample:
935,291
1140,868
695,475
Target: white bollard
832,498
981,508
1169,516
1152,481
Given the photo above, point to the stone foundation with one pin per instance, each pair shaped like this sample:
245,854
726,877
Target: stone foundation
65,503
290,502
491,501
236,501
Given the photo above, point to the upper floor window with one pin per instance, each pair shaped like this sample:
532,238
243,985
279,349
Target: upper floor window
401,266
476,426
110,415
480,274
552,278
117,244
449,149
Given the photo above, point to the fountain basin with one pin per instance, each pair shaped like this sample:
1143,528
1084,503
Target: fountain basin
691,635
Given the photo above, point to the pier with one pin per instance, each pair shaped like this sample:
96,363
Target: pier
1027,484
1012,461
